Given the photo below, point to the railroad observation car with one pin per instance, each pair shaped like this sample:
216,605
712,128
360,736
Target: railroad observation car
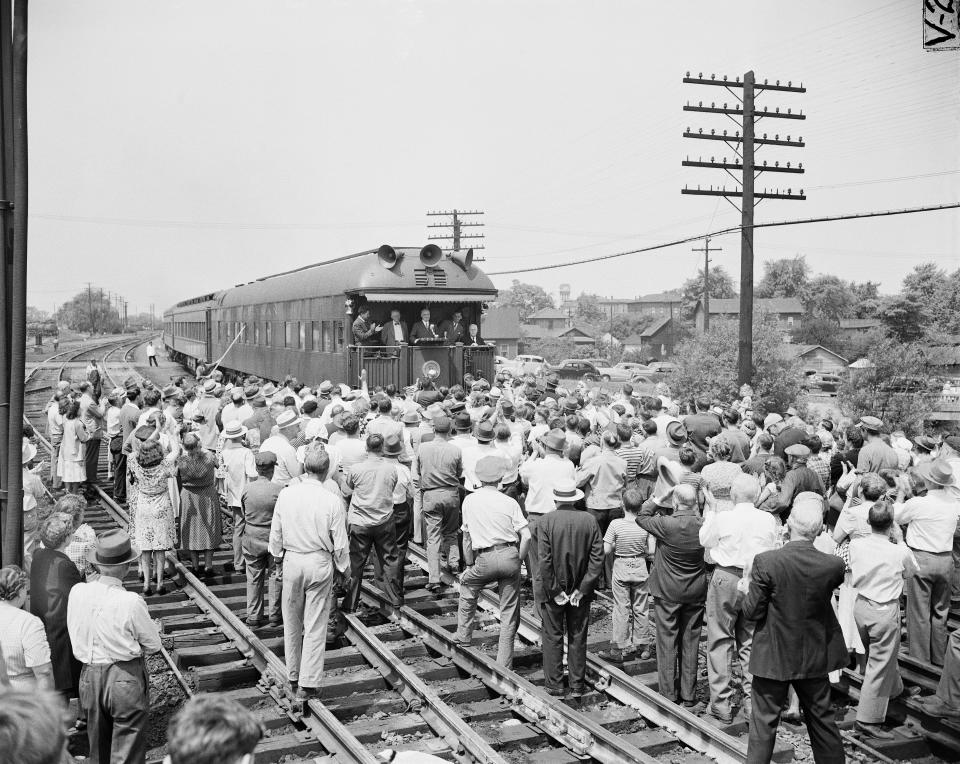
300,322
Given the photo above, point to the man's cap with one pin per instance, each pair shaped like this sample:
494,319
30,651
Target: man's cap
457,406
287,418
938,471
485,432
392,445
265,459
442,423
251,391
555,440
676,433
871,424
490,469
797,449
462,422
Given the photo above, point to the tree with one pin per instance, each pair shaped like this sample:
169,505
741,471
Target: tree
89,312
35,315
625,324
898,386
815,330
721,288
829,297
589,310
784,278
553,349
946,304
923,281
866,298
526,298
905,317
708,365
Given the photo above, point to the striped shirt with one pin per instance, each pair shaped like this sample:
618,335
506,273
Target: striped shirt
628,538
633,456
24,645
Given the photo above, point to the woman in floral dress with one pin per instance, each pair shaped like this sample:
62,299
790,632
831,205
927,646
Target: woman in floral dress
154,532
201,522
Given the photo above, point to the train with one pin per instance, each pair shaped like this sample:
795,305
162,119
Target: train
299,322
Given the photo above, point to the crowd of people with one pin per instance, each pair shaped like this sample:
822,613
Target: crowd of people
789,541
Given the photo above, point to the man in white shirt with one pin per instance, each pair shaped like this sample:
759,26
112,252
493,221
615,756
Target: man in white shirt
238,410
384,424
309,533
733,538
112,633
495,539
287,465
540,474
931,522
151,354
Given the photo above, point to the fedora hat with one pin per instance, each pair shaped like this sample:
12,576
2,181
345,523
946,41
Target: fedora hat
676,433
490,469
441,424
326,387
566,492
28,452
937,471
555,440
251,391
669,474
433,411
925,443
462,422
268,389
392,445
411,417
170,391
113,548
484,432
287,419
234,430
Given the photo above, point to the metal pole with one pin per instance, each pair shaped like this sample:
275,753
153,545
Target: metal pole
6,243
13,531
706,279
745,360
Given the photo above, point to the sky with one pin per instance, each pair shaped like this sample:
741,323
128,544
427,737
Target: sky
181,147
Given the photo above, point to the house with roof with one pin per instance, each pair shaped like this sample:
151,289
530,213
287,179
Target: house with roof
581,335
502,327
817,358
850,328
549,319
656,341
788,311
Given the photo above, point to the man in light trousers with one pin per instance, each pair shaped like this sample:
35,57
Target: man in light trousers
733,537
309,532
493,525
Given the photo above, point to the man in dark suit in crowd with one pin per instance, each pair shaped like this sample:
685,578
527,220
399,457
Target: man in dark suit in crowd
679,587
702,426
423,329
797,641
454,330
394,331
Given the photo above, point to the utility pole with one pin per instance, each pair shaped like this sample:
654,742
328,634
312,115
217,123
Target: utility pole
90,305
748,115
706,279
455,225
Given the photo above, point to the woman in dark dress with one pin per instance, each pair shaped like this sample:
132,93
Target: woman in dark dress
201,523
52,576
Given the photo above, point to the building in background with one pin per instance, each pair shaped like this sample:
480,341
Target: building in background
502,327
818,358
788,312
550,319
656,341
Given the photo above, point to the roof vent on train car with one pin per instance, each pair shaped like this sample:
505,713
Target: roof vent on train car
462,258
388,256
431,254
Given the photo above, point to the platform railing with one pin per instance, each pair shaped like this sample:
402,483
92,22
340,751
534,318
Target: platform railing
402,365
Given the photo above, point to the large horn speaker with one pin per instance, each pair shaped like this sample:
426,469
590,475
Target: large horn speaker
388,256
431,254
431,370
463,259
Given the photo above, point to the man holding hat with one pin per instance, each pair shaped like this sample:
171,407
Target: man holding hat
240,468
570,552
112,633
931,522
257,502
493,525
876,454
288,467
540,474
437,472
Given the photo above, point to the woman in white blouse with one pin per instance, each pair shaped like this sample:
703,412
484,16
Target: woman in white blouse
23,641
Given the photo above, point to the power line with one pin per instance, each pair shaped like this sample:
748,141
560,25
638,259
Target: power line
732,229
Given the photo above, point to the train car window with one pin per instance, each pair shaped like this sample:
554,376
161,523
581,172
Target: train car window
327,345
256,332
339,335
314,335
303,336
266,333
288,334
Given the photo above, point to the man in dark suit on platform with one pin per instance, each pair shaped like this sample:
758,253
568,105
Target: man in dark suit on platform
473,336
423,329
454,330
797,641
394,331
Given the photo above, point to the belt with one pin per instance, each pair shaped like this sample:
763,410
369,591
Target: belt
134,659
878,604
628,556
504,545
731,569
924,551
443,488
257,525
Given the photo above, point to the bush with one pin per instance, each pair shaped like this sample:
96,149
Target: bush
708,365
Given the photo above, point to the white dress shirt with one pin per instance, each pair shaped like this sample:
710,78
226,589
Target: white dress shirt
879,567
308,518
931,521
735,536
397,332
287,464
108,624
491,518
541,475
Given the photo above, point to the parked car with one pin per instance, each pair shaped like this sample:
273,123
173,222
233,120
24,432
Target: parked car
529,364
663,367
622,372
826,383
576,369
